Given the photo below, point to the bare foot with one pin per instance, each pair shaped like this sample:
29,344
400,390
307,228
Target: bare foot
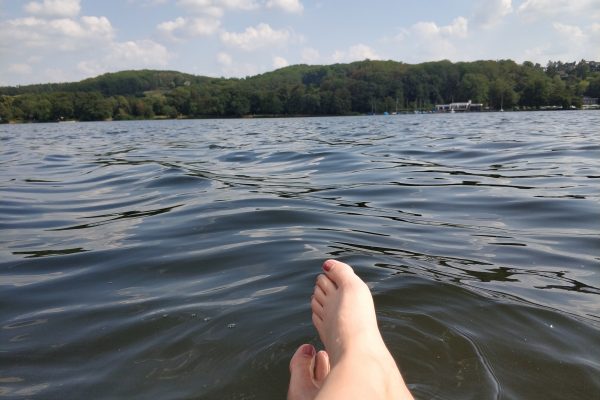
308,372
344,315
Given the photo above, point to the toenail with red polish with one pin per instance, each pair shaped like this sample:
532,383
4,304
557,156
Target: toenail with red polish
309,350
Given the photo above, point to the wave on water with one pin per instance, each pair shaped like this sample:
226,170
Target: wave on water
182,254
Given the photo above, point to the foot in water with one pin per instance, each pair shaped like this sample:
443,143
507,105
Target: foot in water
308,371
359,364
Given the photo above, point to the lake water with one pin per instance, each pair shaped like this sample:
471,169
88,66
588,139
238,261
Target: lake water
176,259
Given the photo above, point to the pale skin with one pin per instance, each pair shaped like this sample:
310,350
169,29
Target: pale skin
356,364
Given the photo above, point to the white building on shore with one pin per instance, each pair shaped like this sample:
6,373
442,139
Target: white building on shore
459,107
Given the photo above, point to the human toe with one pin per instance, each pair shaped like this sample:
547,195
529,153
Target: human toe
338,272
325,284
316,306
302,380
319,295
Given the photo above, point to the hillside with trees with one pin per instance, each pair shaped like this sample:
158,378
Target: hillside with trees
339,89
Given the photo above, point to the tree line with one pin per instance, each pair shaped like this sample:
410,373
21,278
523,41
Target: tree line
339,89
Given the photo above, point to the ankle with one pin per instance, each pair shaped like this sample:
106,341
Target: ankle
376,374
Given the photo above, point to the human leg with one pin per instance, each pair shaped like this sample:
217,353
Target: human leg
344,315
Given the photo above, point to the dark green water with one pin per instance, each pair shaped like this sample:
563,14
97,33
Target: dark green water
175,259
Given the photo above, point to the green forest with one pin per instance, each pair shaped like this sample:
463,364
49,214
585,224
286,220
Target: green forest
340,89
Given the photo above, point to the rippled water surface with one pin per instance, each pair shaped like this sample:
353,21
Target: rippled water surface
175,259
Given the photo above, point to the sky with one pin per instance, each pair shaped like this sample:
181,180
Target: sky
69,40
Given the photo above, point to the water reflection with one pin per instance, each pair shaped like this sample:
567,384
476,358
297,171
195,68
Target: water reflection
47,253
108,218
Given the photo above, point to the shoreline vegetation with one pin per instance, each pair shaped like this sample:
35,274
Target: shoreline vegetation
358,88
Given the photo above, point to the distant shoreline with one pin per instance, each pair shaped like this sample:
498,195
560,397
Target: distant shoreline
359,88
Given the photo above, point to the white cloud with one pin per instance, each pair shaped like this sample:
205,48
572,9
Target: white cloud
238,4
279,62
224,59
97,26
195,5
54,8
133,54
199,26
62,34
212,11
537,53
136,54
203,26
58,49
310,55
256,37
490,13
571,31
595,40
361,51
171,26
458,28
357,52
568,43
427,41
535,9
56,75
575,42
90,68
216,8
201,6
66,27
149,3
20,69
291,6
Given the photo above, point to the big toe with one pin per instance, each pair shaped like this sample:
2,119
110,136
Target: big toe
302,369
338,271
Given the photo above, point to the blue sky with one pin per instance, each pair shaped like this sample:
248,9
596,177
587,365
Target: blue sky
68,40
